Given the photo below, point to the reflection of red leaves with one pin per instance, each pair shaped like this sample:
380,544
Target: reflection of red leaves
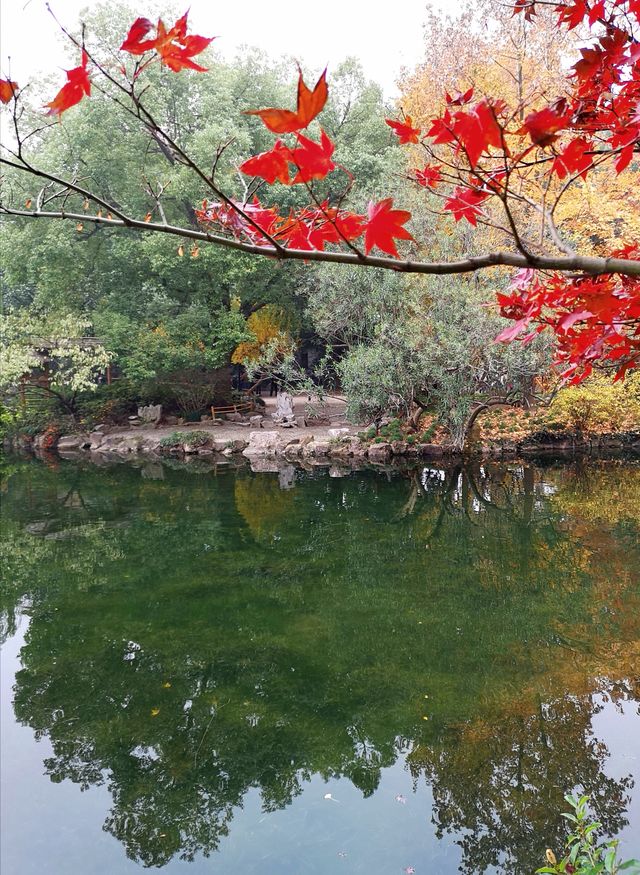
309,105
383,225
313,160
544,125
464,204
429,175
175,48
405,131
77,85
270,166
7,90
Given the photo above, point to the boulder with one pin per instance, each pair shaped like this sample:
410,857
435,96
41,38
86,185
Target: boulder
73,442
256,421
317,448
337,432
284,409
379,452
217,422
96,438
151,413
234,417
431,450
301,422
263,443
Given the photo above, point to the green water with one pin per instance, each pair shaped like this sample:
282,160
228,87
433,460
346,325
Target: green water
218,671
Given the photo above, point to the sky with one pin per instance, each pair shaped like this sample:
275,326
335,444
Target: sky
324,32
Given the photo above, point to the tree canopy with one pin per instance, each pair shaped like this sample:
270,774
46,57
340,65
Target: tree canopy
495,157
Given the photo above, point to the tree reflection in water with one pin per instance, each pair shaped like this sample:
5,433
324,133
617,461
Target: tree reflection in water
193,637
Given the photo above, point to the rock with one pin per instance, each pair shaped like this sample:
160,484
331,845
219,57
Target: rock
284,408
256,421
102,427
152,413
399,448
263,443
265,466
172,420
73,442
236,446
379,452
338,432
431,450
301,422
317,448
96,438
205,418
217,422
234,417
293,450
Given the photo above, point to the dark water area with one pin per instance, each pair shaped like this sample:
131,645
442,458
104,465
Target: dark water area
287,673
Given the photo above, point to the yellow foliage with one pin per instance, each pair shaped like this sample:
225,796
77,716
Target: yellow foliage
598,405
268,326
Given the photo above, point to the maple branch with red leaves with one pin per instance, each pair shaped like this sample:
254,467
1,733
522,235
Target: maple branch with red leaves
521,159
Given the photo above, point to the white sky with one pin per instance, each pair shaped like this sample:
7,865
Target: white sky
385,36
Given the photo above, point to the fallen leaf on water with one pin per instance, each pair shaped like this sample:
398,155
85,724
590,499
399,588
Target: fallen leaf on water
155,712
166,685
401,799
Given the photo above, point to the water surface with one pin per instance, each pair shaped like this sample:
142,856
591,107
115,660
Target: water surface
284,673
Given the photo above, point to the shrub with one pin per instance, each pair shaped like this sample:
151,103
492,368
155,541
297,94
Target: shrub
598,405
190,438
585,856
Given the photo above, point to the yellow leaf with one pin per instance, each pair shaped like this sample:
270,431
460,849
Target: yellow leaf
28,203
147,218
166,685
155,712
79,226
551,857
195,252
181,250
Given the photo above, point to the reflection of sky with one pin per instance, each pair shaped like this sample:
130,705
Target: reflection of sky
57,829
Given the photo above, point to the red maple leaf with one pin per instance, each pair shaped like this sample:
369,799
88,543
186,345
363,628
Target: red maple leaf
573,159
77,85
270,166
312,159
135,43
7,90
383,225
405,131
429,175
544,125
309,105
464,204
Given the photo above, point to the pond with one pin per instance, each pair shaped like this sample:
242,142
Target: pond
221,671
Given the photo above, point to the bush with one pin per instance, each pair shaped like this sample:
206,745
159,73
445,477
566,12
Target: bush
598,405
585,856
190,438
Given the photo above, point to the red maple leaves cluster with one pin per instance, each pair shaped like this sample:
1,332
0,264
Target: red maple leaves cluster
312,227
174,47
595,319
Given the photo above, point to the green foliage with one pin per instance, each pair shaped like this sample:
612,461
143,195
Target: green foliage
585,855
